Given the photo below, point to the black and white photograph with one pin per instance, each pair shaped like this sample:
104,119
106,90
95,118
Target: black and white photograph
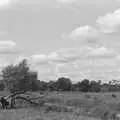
59,59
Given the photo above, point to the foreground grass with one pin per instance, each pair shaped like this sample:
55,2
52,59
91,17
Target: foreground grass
31,114
67,106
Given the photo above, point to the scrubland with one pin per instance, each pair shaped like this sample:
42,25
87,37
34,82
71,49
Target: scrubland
66,106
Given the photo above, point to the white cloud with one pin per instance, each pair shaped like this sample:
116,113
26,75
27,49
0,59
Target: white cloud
9,52
85,35
38,59
9,47
73,54
84,31
74,63
42,59
37,62
20,58
118,0
4,2
70,54
109,23
66,1
102,52
55,57
65,55
98,69
7,44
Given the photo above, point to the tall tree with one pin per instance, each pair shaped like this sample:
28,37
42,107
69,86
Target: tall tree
94,86
17,78
51,85
63,84
85,85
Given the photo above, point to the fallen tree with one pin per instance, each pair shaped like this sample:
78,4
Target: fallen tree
22,95
26,99
31,101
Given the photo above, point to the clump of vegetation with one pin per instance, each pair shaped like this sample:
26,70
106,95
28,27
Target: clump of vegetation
87,96
104,112
114,96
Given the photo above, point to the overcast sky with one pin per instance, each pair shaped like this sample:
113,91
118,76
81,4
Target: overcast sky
73,38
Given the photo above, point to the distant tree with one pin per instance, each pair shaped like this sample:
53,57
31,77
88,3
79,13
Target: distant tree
51,86
43,85
34,81
110,83
85,85
105,87
63,84
99,82
95,86
75,87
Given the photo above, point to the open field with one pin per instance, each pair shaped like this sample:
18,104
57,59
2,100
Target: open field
31,114
67,106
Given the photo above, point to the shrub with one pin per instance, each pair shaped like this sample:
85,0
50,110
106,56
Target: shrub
87,96
104,112
114,96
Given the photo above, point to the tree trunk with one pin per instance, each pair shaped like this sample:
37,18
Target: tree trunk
13,102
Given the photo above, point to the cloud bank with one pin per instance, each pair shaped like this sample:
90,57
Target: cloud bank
109,23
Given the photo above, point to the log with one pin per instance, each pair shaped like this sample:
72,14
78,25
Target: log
28,100
15,96
16,93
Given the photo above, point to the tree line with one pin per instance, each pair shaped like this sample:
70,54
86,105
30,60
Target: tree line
65,84
19,77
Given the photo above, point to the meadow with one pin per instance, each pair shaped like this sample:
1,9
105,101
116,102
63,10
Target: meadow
66,106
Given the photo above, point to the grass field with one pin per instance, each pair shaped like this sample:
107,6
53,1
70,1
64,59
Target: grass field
68,106
31,114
